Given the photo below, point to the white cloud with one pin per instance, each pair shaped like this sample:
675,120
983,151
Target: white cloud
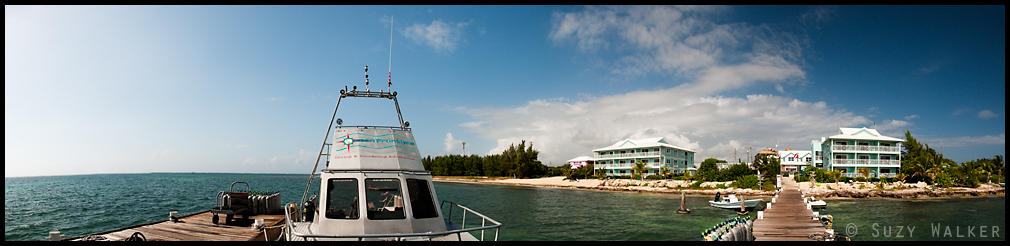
986,114
967,141
888,126
450,143
471,124
442,36
817,15
679,41
711,125
911,117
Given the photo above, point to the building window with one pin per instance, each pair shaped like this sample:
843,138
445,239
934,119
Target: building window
385,200
840,157
342,199
885,144
864,157
808,159
885,157
863,143
841,143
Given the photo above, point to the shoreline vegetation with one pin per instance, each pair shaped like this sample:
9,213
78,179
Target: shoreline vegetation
924,173
853,189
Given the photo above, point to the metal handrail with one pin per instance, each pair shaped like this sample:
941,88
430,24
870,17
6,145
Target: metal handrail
496,225
377,127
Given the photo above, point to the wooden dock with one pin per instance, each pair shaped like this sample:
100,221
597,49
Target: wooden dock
198,227
788,219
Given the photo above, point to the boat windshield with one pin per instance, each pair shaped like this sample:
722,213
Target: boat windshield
385,199
342,199
420,199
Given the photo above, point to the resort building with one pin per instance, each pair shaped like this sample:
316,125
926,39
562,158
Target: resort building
794,160
619,158
815,149
856,148
580,161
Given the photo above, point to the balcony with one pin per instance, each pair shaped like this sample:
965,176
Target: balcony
872,175
865,162
627,165
627,155
866,148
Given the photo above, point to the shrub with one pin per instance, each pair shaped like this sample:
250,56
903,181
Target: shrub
697,185
768,186
654,177
801,178
746,182
720,186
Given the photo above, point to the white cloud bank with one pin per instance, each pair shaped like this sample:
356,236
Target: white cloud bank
714,57
450,143
967,141
442,36
986,114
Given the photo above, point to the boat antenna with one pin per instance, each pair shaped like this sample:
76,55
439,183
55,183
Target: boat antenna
366,77
390,72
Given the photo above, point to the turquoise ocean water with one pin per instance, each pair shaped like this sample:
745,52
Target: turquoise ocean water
78,205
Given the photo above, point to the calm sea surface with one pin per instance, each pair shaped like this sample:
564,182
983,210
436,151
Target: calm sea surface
78,205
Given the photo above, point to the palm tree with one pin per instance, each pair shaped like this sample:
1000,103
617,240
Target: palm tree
665,171
639,168
865,172
836,175
900,177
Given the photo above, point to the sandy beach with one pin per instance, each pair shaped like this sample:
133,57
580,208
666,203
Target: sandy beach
822,190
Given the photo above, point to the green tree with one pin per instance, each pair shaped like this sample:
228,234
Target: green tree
865,172
638,170
768,165
709,170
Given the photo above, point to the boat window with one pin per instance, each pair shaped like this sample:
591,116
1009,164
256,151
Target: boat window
342,199
420,199
384,199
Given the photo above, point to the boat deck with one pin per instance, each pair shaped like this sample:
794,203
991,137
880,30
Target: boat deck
788,219
198,227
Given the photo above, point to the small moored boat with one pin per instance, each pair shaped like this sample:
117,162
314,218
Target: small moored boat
814,203
730,201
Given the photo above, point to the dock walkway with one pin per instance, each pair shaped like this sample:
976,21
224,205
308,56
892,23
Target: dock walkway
788,219
197,227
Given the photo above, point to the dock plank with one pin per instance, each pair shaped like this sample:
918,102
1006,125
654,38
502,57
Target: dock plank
197,227
788,219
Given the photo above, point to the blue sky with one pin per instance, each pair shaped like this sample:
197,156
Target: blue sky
123,89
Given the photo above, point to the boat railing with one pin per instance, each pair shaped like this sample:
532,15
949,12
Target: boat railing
377,127
429,235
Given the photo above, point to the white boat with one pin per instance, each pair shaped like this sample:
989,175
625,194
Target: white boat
730,201
814,203
374,187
